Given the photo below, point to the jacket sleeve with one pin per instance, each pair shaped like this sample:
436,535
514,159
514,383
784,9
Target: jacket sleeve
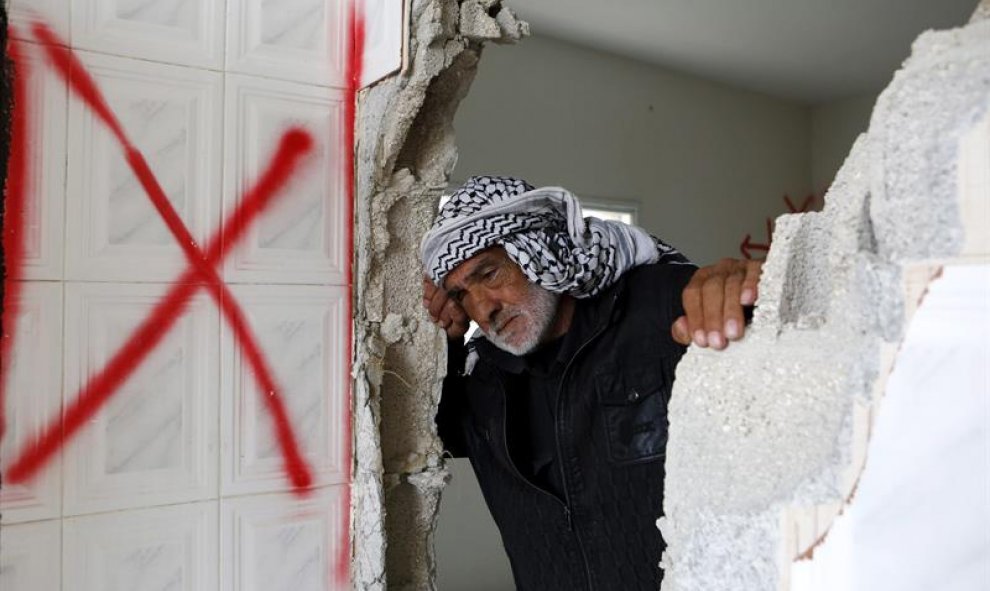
451,414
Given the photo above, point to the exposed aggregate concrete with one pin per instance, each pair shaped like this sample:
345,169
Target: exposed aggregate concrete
405,154
776,426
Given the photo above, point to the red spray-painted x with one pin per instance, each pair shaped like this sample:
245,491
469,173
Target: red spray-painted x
200,273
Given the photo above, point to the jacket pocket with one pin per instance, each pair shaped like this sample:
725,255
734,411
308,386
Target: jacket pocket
634,413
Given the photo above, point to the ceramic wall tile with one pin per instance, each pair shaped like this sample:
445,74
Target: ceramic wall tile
45,204
55,13
385,38
173,115
301,238
32,397
186,32
155,440
31,556
281,542
301,331
166,548
301,40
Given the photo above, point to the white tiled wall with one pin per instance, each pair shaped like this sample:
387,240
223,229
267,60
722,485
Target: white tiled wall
177,482
299,240
33,396
275,543
174,115
305,324
47,126
287,39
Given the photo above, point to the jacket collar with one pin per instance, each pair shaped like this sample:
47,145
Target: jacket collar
591,315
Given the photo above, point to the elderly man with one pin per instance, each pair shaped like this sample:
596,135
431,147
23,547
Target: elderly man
561,405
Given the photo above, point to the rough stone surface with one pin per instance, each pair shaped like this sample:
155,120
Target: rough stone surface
982,11
405,154
774,428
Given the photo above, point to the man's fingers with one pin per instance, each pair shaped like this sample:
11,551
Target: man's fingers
453,312
437,302
751,283
679,331
428,289
691,300
732,313
713,294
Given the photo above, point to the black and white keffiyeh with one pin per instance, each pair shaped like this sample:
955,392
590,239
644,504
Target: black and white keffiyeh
543,231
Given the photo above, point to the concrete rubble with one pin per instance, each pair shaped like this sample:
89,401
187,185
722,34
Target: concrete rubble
405,155
767,439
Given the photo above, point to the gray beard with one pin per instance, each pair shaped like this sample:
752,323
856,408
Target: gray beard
537,313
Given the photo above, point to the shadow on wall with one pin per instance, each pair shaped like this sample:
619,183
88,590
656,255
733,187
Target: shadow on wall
470,556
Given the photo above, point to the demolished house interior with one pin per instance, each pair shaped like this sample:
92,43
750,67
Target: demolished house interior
216,370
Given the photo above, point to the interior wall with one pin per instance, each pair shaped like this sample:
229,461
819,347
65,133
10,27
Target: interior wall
706,162
834,127
175,476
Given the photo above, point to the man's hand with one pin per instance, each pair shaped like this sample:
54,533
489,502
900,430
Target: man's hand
445,312
713,303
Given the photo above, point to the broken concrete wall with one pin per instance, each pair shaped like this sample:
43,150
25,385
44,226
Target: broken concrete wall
768,439
405,153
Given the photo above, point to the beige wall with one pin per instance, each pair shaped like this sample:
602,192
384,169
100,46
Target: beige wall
834,127
705,163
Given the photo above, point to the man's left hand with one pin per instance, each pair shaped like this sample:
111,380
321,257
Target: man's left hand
713,303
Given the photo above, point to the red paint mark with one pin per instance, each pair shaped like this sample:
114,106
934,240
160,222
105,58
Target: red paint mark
355,68
805,205
15,200
71,70
748,246
165,314
202,265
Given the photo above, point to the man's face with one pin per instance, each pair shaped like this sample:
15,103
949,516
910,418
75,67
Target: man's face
513,313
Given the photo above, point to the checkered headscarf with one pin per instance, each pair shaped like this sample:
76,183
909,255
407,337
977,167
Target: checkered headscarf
543,231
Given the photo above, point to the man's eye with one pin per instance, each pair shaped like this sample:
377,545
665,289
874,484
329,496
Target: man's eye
490,275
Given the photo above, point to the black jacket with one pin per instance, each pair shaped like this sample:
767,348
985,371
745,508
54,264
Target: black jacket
611,431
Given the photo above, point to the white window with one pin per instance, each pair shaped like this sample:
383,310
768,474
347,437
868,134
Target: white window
618,211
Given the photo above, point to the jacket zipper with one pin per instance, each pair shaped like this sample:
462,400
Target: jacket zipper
566,502
512,463
560,454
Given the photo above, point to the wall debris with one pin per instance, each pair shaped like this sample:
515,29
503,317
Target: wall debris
767,439
405,154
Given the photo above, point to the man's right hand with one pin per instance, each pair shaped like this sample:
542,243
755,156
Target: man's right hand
445,312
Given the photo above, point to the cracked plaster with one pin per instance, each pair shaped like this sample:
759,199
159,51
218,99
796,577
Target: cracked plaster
405,153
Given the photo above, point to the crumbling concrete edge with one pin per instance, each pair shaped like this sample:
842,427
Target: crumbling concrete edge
891,219
404,155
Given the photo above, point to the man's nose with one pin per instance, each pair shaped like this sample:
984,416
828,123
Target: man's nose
487,309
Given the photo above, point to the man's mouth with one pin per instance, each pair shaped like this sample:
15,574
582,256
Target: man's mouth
503,325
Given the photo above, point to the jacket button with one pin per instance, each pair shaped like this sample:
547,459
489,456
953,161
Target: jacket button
633,396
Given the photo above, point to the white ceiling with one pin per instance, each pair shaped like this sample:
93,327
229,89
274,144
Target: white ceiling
810,50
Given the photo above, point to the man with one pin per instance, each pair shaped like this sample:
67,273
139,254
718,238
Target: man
561,405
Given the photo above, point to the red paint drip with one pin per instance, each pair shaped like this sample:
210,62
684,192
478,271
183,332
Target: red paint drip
355,68
15,202
85,87
150,332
